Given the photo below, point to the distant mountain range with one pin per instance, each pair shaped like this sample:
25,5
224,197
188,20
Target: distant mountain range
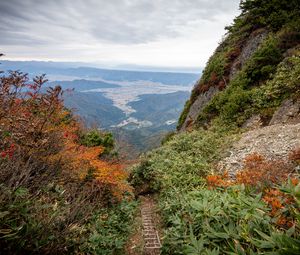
138,107
76,70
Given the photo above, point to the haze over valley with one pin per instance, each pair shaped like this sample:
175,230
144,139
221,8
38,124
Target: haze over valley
136,106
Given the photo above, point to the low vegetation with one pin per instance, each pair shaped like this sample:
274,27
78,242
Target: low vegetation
180,163
208,213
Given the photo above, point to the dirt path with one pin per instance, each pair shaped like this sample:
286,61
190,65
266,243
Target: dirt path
146,237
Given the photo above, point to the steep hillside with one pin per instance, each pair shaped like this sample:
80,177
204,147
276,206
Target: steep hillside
94,108
253,70
228,181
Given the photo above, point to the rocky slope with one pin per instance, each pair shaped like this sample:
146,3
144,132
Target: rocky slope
252,82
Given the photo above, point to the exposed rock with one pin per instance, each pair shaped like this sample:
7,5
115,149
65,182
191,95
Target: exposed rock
253,122
287,113
272,142
250,47
198,106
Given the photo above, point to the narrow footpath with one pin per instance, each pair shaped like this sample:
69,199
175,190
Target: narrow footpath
145,239
151,238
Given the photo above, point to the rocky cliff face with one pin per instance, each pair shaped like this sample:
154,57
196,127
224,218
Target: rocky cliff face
247,49
252,83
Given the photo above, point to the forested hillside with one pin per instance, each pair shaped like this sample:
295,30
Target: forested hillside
228,181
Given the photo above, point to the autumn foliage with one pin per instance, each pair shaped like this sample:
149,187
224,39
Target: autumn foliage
52,183
259,171
264,176
40,139
222,181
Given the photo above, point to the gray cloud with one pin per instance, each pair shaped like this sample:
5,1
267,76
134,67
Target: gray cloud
60,22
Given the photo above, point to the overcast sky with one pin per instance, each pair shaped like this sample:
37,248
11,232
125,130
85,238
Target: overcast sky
161,33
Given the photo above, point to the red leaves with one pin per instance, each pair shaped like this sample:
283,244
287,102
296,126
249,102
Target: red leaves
70,135
28,115
41,129
9,152
214,78
32,86
203,88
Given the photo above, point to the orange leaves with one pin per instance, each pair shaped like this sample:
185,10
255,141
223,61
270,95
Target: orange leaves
259,171
44,135
274,198
82,159
295,155
278,202
221,181
263,175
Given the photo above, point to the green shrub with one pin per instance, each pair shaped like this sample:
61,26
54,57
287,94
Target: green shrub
264,61
109,229
215,66
36,224
270,13
184,114
97,138
181,162
53,222
229,104
225,220
240,100
284,83
231,221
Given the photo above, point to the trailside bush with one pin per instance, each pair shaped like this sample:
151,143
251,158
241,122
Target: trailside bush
43,224
181,162
50,222
204,220
258,213
226,221
108,229
50,184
